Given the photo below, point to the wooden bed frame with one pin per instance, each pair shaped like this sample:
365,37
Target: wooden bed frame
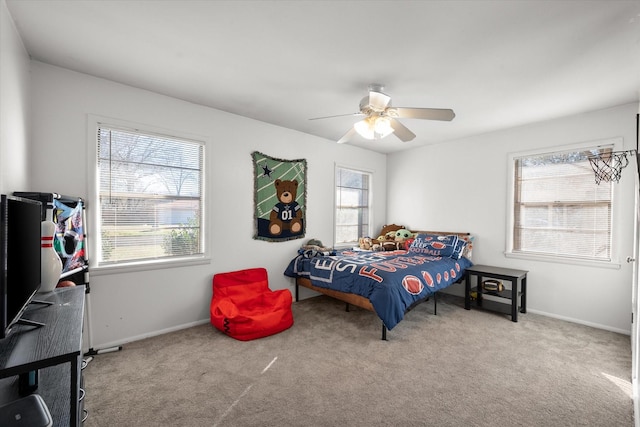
362,302
357,300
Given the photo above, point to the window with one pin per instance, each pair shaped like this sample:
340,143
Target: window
558,209
150,190
353,192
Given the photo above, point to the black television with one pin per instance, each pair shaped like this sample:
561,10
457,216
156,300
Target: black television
20,223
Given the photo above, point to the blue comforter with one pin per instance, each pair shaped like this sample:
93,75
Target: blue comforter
392,280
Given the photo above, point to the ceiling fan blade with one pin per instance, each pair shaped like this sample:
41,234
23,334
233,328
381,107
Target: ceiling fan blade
401,131
339,115
421,113
347,136
378,101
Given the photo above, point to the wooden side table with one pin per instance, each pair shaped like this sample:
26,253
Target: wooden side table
517,293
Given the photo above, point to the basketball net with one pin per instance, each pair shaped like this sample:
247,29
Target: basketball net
608,166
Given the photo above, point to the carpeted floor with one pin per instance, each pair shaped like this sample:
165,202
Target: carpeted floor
471,368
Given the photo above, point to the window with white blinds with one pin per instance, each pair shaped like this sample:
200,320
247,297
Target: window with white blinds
150,196
558,208
352,206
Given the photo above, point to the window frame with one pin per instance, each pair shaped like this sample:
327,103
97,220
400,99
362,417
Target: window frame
370,174
94,122
614,144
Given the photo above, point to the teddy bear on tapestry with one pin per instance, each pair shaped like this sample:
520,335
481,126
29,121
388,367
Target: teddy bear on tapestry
287,213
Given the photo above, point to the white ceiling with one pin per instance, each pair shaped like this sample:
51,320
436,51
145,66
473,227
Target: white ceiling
497,64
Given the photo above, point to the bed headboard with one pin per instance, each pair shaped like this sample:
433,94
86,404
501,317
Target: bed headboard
457,233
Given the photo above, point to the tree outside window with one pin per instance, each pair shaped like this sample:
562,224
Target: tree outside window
150,196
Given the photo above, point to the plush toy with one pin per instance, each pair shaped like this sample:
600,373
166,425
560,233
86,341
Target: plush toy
287,213
387,233
389,242
404,238
386,241
365,243
402,235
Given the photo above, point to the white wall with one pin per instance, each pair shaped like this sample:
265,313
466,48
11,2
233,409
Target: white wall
14,106
132,305
462,186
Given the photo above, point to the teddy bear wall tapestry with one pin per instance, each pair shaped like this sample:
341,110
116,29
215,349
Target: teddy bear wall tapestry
280,198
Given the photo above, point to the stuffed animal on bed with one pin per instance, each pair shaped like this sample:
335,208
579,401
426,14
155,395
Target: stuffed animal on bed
386,238
389,243
395,240
404,238
402,235
365,243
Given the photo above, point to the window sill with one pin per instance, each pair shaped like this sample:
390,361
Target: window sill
564,260
346,246
148,265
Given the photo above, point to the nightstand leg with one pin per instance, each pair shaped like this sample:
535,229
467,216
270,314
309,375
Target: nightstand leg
524,295
467,291
514,300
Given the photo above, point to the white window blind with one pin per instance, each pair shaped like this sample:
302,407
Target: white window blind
352,205
151,196
559,210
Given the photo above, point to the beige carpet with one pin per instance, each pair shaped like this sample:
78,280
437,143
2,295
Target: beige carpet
471,368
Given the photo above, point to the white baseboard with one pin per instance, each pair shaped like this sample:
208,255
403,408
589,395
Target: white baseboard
636,408
150,334
555,316
581,322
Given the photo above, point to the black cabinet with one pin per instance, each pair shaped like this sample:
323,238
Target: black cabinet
53,350
510,300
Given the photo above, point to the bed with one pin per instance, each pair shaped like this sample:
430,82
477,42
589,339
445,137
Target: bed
389,283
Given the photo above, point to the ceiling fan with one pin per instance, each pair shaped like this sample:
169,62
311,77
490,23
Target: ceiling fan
380,117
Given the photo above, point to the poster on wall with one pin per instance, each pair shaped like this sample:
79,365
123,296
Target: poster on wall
69,241
280,198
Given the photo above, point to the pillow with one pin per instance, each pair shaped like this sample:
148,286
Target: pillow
459,248
468,248
436,245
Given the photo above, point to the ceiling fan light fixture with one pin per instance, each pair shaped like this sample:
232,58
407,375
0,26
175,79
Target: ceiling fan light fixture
382,127
380,118
364,128
374,127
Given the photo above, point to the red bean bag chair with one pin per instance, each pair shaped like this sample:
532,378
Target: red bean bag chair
244,307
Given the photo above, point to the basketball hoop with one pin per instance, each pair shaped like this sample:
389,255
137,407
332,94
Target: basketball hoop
608,166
